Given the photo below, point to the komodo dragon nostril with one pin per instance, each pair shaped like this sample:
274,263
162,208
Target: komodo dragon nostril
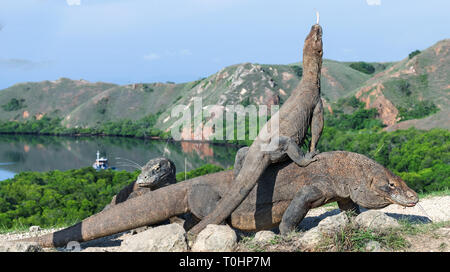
411,195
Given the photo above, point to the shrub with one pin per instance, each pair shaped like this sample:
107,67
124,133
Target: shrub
298,71
414,53
417,110
363,67
14,104
58,197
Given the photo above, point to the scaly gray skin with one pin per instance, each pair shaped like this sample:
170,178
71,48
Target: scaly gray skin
157,173
302,110
283,195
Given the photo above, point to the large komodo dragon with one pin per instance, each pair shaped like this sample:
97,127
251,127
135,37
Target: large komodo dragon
284,193
302,110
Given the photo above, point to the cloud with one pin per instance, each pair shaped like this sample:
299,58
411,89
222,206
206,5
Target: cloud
73,2
373,2
22,64
152,57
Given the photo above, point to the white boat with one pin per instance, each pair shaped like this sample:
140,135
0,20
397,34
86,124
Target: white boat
100,163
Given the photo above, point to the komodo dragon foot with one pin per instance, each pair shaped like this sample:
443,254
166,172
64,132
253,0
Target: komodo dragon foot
308,158
287,147
299,206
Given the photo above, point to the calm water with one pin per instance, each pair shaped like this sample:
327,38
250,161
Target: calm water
44,153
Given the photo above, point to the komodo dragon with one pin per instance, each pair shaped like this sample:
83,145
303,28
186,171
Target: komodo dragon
157,173
284,193
302,110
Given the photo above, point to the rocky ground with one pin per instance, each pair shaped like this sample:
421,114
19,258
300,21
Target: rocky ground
425,227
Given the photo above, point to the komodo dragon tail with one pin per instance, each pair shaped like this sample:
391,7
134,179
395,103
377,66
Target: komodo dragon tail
146,209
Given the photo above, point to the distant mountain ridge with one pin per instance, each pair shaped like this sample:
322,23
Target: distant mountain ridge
393,88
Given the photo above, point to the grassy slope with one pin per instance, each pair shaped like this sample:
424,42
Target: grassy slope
56,98
87,104
424,77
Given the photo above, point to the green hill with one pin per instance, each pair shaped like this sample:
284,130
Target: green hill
412,92
52,98
83,104
412,89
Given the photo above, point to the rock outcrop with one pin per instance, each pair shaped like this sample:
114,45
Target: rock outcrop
376,220
264,236
215,238
327,226
167,238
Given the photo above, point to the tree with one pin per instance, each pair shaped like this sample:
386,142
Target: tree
414,53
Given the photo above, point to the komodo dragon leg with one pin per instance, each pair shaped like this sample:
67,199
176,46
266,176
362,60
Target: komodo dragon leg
239,160
306,198
287,147
290,147
202,199
348,205
316,127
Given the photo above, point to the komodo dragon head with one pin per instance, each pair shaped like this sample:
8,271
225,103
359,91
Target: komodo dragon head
393,189
378,187
313,42
157,173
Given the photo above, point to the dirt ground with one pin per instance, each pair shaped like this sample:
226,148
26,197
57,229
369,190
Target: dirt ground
435,241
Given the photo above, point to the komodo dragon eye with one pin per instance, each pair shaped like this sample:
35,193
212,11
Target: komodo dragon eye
155,168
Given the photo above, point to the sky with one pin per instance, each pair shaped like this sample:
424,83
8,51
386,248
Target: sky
130,41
